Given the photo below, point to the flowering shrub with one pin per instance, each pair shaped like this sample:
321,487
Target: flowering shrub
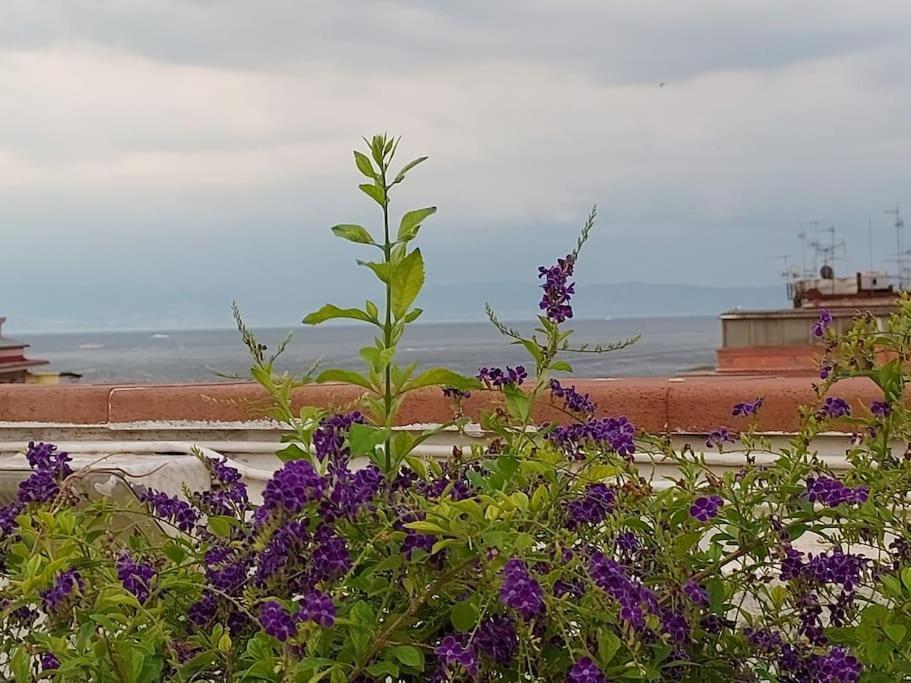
544,556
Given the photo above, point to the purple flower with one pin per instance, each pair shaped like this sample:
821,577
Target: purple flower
834,407
595,504
136,577
585,671
329,438
496,639
415,541
495,378
821,325
838,667
57,598
880,409
719,437
705,508
746,409
825,369
171,508
455,394
520,591
8,516
287,542
293,486
573,401
696,593
557,289
276,621
203,610
330,559
352,491
627,542
634,598
318,608
616,434
49,662
832,492
454,655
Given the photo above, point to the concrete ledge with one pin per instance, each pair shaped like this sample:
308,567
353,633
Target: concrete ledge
666,405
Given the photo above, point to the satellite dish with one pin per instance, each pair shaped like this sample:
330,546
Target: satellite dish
826,272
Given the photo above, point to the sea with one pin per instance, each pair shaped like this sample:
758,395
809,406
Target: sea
667,346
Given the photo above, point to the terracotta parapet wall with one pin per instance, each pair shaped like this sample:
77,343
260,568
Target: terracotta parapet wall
675,405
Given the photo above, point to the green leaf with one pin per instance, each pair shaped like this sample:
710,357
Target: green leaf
347,376
291,452
400,176
383,669
464,615
20,664
413,315
441,377
896,632
364,165
425,527
353,233
375,192
407,281
381,270
409,656
330,312
411,222
220,525
517,402
608,644
364,438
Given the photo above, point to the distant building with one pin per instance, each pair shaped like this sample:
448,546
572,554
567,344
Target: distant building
14,366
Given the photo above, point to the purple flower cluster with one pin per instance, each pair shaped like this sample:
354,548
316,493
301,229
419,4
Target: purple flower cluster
352,491
880,409
330,558
821,325
203,611
171,508
455,655
288,542
696,593
293,487
136,577
495,378
48,661
228,493
496,639
318,608
833,567
573,401
747,409
277,621
705,508
825,370
520,591
329,438
832,492
49,468
585,671
634,598
613,433
838,667
557,289
595,504
58,597
718,437
455,394
834,407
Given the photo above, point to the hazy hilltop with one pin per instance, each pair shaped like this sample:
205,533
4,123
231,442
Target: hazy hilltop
83,306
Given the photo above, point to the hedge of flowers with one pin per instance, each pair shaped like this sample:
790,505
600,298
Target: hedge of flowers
543,556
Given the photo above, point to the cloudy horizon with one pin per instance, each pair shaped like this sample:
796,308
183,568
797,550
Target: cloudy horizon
196,152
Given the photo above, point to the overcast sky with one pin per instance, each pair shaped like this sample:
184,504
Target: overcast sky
159,157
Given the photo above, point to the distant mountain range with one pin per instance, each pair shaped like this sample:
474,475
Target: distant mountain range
616,300
165,308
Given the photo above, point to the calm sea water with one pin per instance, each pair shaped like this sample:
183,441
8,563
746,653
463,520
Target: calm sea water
668,346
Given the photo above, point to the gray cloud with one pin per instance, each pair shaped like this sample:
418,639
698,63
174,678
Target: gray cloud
154,148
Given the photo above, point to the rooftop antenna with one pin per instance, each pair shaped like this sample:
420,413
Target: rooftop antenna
870,242
814,244
802,236
899,243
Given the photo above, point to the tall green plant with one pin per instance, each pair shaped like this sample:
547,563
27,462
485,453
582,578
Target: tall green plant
400,270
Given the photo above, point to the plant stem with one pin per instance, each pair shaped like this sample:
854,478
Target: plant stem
387,326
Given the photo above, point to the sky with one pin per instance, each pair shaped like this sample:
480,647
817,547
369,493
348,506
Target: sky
159,158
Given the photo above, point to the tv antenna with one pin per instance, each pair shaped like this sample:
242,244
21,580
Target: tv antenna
899,243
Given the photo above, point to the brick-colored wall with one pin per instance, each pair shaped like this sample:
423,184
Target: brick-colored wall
678,405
